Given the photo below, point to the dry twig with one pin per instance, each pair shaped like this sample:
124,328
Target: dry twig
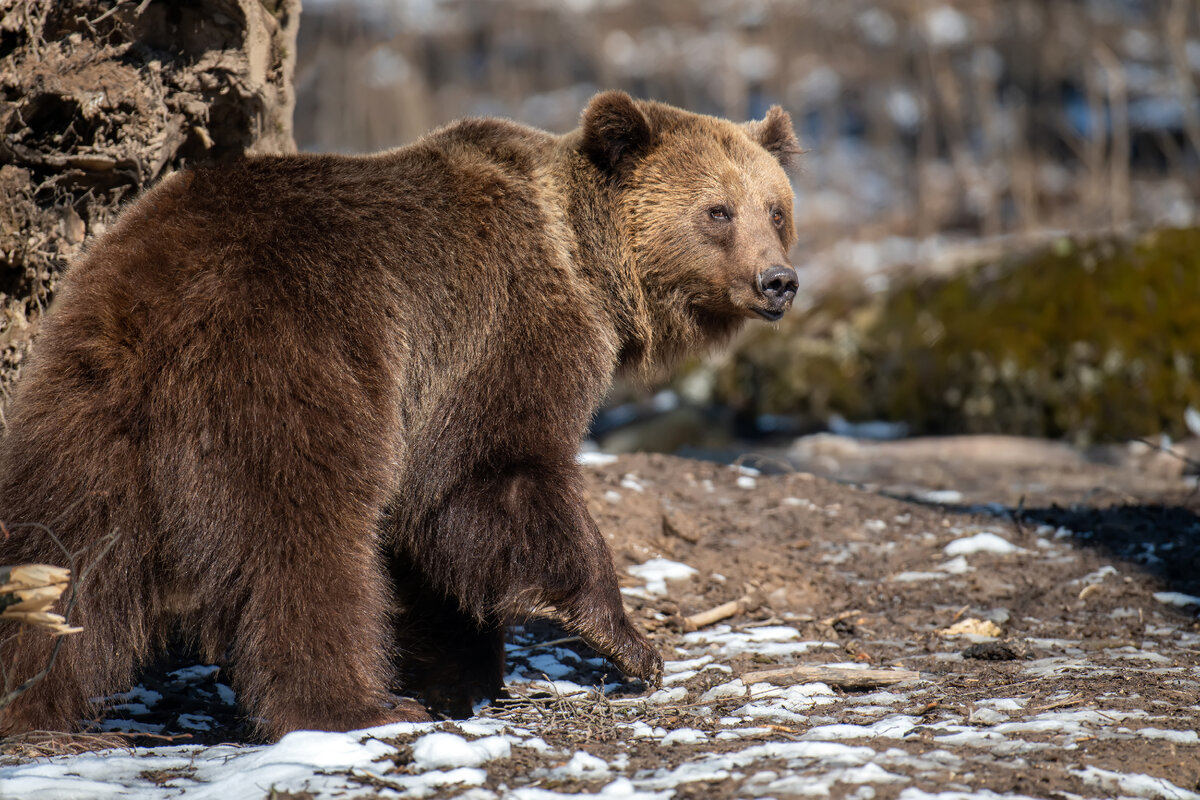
744,604
843,677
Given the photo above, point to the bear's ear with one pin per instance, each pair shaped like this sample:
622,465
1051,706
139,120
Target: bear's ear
615,131
776,134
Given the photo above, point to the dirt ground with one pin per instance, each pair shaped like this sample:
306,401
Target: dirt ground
1075,571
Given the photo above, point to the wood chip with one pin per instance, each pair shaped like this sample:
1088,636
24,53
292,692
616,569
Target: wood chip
972,627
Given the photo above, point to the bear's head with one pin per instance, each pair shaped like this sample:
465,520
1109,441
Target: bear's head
707,206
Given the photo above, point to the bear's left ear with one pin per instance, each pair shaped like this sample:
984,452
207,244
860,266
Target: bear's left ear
615,131
776,134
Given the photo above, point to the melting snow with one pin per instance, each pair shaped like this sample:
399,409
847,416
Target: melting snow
1177,599
656,572
985,542
595,459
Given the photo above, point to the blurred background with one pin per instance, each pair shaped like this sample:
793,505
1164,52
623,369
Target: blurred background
996,209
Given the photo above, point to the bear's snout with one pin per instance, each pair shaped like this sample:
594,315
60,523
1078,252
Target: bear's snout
778,284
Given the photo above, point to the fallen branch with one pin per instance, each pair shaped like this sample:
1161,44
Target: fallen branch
842,677
742,605
28,590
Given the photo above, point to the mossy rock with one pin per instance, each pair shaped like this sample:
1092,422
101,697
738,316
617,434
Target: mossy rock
1089,341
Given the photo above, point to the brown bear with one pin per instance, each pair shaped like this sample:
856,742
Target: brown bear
324,411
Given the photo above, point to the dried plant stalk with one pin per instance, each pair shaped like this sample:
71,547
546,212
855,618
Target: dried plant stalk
28,590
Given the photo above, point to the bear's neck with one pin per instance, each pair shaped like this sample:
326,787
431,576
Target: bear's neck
602,254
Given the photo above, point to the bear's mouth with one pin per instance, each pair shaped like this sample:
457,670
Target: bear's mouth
770,314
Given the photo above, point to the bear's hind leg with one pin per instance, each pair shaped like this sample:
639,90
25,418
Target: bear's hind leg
98,661
311,643
445,655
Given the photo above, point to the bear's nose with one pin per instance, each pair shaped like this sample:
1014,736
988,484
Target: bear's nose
778,284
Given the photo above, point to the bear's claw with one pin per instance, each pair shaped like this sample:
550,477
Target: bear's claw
632,653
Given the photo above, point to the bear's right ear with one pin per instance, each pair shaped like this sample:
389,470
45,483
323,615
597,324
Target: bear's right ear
615,131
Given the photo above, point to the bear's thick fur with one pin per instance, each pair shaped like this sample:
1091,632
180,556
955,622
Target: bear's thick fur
328,407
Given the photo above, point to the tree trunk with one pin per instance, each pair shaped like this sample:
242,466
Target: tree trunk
101,98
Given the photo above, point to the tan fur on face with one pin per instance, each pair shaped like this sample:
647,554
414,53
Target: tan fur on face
701,279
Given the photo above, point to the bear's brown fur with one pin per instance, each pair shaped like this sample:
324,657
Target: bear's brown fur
329,406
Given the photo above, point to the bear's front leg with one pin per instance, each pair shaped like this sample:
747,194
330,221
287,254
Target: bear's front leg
510,540
594,610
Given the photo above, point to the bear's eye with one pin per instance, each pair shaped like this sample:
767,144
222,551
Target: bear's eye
720,213
777,217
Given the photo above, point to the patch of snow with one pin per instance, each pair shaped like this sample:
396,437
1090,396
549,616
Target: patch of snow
789,704
689,665
956,566
1175,737
893,727
941,497
138,694
489,727
878,26
1177,599
824,783
583,765
441,749
657,571
664,696
679,677
1096,577
594,458
549,665
1004,703
1129,653
196,722
746,482
912,577
560,688
631,482
196,673
734,688
985,542
986,716
1136,785
880,698
685,736
913,793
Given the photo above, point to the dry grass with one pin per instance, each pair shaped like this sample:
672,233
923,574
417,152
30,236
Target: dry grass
42,744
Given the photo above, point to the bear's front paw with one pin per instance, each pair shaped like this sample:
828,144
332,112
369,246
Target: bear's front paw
631,652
